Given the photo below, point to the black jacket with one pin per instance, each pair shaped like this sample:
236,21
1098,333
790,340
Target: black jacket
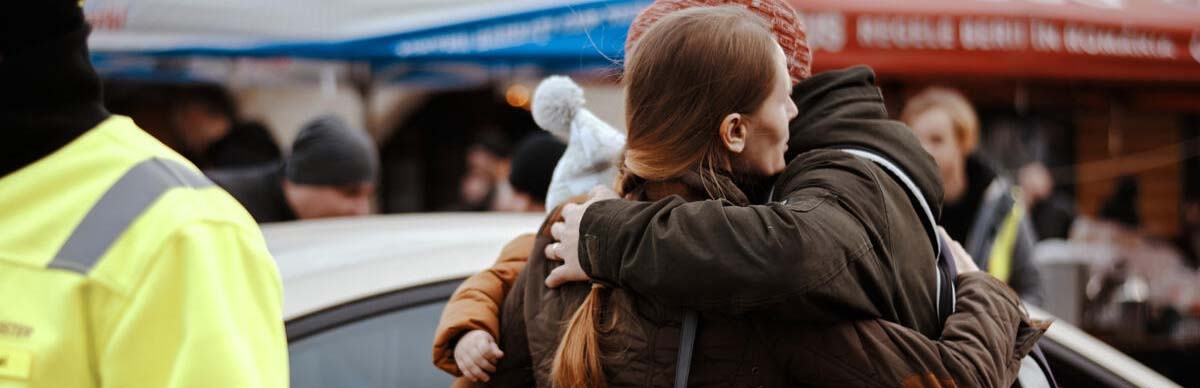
258,188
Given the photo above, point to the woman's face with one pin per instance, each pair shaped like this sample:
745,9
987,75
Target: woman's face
767,131
935,129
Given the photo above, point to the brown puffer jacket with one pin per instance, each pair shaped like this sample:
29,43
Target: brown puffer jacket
981,345
475,305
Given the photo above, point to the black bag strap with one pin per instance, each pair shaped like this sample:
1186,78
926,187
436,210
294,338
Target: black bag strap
687,342
947,272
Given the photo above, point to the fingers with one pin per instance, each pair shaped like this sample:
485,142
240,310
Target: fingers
496,353
552,251
476,355
475,373
486,359
475,365
470,370
557,277
557,230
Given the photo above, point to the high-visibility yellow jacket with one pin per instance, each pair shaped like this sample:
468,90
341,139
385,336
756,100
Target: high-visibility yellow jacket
121,266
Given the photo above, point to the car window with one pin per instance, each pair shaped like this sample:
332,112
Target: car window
389,350
1073,369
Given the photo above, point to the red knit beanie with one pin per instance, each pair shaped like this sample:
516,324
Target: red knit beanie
785,24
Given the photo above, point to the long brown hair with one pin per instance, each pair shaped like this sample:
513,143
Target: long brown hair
688,71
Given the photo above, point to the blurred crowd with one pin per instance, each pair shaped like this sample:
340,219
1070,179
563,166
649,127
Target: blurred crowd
1001,198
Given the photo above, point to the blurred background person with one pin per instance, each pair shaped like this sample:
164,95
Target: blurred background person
485,183
331,173
1019,146
206,118
200,121
981,207
533,166
1051,212
201,115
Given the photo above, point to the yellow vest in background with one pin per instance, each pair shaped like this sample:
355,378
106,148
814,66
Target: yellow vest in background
122,266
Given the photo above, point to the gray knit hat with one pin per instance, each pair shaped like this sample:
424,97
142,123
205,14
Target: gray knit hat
329,152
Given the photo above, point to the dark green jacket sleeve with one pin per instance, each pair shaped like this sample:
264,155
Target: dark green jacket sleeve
807,250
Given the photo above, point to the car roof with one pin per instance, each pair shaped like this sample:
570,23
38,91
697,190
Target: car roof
324,263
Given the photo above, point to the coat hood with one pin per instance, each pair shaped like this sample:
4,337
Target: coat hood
844,109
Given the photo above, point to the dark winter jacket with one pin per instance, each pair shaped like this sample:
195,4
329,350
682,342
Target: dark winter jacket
981,345
840,240
258,188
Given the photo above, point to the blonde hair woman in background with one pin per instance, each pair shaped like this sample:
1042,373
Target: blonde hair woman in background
981,207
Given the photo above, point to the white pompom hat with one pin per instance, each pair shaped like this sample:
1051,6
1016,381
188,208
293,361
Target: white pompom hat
592,145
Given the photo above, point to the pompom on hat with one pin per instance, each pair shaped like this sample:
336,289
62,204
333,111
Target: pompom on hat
786,25
592,145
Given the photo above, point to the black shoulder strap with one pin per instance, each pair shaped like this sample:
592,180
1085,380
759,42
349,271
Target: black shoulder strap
687,341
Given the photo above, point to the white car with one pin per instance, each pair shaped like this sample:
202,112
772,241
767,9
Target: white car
362,298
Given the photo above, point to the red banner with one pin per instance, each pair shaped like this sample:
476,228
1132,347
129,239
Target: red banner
1148,40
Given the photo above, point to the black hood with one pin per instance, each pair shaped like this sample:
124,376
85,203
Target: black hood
49,93
844,109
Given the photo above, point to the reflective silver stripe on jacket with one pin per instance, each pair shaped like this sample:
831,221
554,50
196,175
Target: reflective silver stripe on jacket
116,210
913,189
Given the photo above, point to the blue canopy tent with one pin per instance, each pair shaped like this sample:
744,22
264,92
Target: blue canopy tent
403,40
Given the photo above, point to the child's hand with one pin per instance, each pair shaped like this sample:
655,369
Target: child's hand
476,354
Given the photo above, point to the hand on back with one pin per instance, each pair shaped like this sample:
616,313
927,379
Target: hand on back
567,235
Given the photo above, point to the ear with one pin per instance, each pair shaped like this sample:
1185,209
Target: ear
733,132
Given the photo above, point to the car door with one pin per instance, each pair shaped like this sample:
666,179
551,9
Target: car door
380,341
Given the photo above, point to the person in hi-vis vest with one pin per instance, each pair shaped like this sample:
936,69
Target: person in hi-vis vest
120,264
982,208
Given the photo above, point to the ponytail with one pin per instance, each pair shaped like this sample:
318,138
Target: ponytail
578,360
